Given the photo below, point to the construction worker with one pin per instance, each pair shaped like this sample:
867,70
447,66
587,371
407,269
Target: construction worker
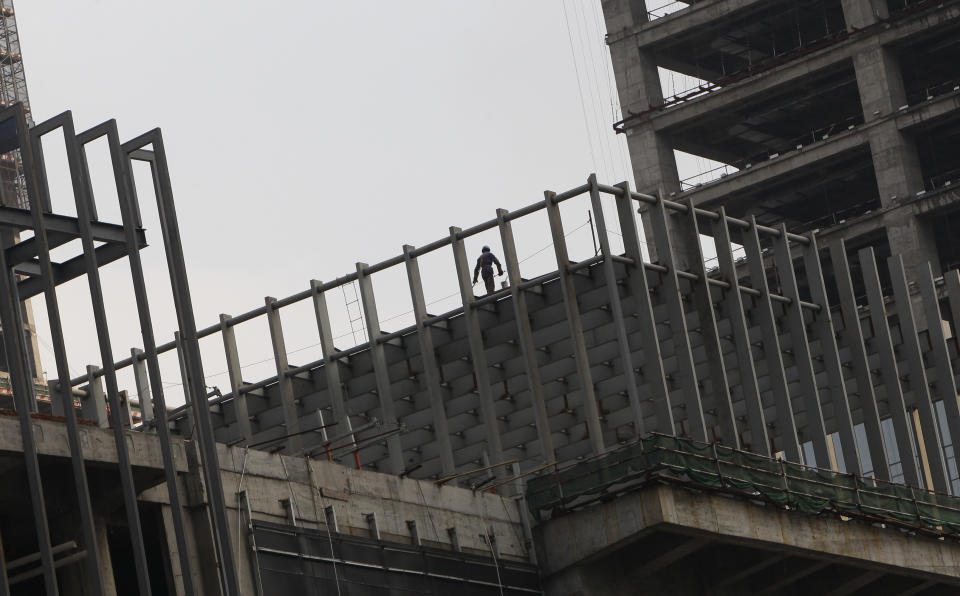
485,268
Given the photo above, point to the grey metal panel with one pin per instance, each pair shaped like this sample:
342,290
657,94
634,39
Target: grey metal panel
697,426
888,368
525,336
760,442
942,371
616,307
824,332
933,446
801,350
640,291
572,308
786,425
853,338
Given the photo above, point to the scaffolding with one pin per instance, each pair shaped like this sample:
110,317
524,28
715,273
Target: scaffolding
13,89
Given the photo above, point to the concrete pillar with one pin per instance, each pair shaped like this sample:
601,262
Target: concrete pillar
106,565
895,158
638,84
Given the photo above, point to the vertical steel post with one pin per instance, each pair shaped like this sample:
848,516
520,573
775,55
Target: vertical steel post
749,385
234,374
288,403
933,449
94,405
616,308
83,201
655,375
528,349
944,381
431,369
776,373
707,317
331,367
951,280
802,358
825,333
859,360
22,384
888,368
478,357
130,216
591,409
143,385
197,384
686,369
380,368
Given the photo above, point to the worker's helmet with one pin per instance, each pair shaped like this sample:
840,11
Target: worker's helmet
485,249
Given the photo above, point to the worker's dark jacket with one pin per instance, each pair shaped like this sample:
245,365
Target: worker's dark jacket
485,265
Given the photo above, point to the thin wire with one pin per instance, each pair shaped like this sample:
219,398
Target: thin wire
243,471
333,556
423,500
489,537
583,105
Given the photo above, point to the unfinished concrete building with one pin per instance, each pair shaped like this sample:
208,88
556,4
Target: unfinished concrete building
835,115
779,423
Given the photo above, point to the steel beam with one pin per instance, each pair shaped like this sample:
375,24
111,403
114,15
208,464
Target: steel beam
616,308
235,378
824,332
853,336
733,301
132,229
653,371
291,418
380,371
803,359
776,374
431,369
331,367
942,371
478,357
528,349
670,291
932,446
591,409
888,368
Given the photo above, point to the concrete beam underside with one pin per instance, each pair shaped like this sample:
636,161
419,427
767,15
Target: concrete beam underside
738,547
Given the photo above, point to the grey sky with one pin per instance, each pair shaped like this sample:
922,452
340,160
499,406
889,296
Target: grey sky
306,136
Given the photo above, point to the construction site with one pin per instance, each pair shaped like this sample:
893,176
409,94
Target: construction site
757,395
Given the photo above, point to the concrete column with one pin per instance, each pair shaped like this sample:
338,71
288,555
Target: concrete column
895,159
638,85
106,565
291,418
863,13
143,385
236,381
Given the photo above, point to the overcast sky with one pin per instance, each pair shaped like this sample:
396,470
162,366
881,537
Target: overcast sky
304,137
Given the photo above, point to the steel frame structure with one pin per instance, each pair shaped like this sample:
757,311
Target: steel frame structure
30,271
631,347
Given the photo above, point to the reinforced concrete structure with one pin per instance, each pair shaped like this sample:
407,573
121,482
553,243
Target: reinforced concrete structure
781,422
837,115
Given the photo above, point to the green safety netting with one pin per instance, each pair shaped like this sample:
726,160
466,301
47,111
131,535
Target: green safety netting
675,459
